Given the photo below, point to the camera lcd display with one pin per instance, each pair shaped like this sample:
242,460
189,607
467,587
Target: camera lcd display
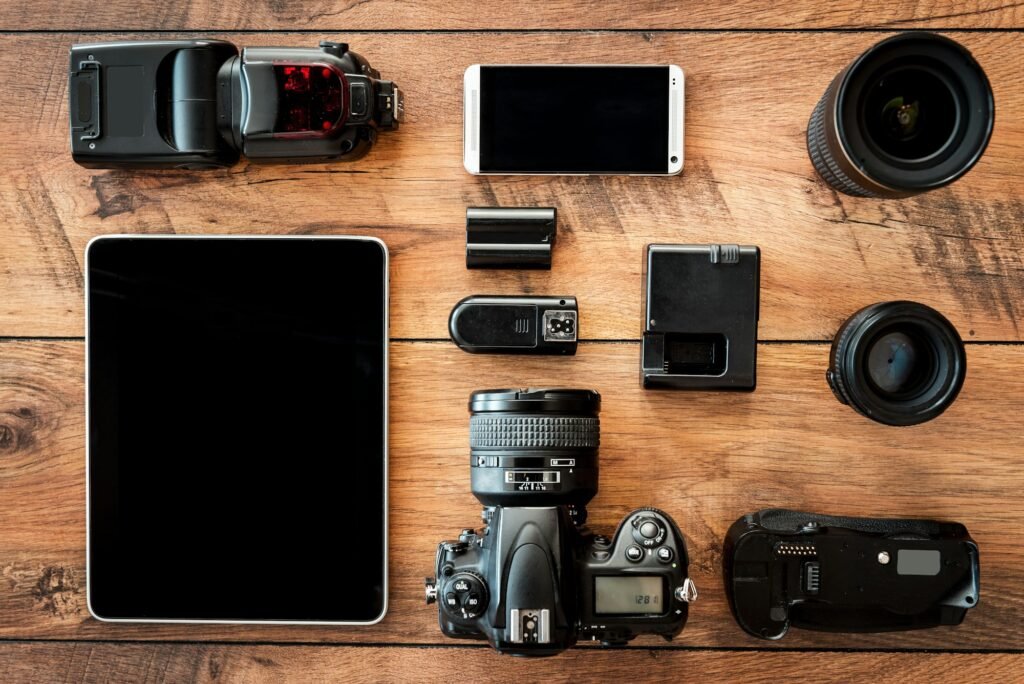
574,119
629,595
237,428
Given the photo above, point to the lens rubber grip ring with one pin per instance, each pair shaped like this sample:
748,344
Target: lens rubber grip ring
839,353
534,432
821,155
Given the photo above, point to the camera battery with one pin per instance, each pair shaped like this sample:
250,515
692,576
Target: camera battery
700,317
510,237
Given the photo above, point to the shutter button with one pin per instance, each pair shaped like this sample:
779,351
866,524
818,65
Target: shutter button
649,530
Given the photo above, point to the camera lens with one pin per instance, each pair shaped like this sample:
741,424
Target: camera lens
534,447
899,363
913,113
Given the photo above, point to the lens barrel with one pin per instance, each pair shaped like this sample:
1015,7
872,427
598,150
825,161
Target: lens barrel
534,447
913,113
898,363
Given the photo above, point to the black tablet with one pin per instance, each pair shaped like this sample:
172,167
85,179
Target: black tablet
237,429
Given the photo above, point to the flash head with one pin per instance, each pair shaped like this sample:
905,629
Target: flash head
203,103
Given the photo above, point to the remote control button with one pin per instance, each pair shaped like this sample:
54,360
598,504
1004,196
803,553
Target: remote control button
665,554
649,529
634,554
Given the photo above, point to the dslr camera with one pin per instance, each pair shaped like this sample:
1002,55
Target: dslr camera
534,580
202,103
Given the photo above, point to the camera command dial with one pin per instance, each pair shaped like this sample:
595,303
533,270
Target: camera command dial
464,596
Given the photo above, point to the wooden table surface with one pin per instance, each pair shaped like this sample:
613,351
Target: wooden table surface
754,72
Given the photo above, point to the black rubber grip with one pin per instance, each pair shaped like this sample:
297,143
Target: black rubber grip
821,155
534,432
786,521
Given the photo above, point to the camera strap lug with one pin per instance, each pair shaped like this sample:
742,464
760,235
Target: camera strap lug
687,593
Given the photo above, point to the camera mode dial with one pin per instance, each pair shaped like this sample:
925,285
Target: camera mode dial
648,531
465,596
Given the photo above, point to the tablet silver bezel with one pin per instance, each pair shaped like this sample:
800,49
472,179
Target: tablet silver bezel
88,553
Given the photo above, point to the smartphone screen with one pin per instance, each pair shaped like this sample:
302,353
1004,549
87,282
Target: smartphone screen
575,119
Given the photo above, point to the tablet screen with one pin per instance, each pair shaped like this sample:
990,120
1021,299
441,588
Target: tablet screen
237,428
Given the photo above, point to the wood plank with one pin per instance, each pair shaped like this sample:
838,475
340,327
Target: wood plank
747,179
355,15
706,458
153,663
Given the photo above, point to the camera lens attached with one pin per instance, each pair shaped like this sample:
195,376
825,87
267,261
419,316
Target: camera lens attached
913,113
535,579
898,363
534,447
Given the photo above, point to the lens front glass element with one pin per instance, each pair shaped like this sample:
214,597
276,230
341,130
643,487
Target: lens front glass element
899,365
911,113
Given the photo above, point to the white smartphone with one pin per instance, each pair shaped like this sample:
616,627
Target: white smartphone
574,119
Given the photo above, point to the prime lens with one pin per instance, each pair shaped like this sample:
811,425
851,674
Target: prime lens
534,447
913,113
898,363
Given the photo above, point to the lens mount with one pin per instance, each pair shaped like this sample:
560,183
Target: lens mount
898,363
534,447
913,113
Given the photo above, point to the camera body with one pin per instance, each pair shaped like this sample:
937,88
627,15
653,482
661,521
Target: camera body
532,582
534,579
788,568
202,103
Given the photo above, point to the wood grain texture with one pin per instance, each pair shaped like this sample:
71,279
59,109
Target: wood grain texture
747,179
353,15
156,664
706,458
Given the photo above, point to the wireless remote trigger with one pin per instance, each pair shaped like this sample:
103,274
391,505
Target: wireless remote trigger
515,325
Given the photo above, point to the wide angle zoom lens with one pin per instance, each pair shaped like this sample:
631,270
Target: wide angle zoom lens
534,447
913,113
898,363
